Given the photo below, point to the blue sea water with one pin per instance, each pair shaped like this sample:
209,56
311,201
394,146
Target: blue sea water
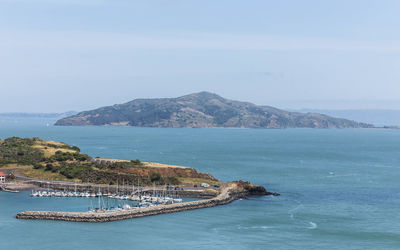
340,189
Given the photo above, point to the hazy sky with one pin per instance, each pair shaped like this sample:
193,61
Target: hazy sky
59,55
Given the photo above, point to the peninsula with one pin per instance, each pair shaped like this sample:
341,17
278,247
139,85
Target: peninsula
202,110
40,162
50,160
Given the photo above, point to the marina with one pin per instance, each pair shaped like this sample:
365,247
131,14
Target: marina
119,200
228,193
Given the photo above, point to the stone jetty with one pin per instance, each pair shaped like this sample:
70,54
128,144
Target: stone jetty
229,192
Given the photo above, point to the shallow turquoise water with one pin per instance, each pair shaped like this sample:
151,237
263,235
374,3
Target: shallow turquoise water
340,190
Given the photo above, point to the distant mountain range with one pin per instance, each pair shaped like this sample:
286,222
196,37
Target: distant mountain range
202,110
378,117
37,115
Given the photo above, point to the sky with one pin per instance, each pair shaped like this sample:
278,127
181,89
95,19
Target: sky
62,55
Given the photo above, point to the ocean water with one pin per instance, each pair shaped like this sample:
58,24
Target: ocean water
340,189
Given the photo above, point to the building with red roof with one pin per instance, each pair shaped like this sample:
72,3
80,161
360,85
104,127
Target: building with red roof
2,177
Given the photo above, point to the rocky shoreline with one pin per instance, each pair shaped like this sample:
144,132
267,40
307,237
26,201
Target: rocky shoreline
229,192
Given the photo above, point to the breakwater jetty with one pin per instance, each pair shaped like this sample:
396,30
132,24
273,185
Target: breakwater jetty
228,193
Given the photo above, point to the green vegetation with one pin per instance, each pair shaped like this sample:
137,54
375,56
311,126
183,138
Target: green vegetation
124,164
37,158
67,156
20,151
155,177
173,180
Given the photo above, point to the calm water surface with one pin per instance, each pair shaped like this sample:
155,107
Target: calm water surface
340,190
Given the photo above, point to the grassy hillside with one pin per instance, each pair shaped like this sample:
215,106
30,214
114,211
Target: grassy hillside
37,158
203,110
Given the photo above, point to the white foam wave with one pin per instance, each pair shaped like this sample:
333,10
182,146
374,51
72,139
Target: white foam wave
254,227
342,175
293,211
312,225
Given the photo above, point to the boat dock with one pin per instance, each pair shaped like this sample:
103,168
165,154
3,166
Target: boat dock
228,193
191,192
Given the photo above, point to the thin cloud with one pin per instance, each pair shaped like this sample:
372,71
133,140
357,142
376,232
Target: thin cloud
56,2
186,40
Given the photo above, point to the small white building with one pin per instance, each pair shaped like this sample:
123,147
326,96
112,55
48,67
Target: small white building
2,177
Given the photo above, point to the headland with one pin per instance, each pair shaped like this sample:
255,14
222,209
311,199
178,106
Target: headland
59,166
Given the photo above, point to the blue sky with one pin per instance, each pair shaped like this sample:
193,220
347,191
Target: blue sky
59,55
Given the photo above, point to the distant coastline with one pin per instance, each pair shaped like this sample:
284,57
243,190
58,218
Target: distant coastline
37,115
377,117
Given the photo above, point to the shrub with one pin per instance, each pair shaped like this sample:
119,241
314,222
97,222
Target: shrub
80,157
37,166
173,180
49,167
136,162
155,177
62,156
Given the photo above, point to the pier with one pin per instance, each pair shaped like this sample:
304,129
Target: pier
228,193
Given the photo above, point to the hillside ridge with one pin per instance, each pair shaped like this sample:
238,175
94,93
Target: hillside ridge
52,160
202,110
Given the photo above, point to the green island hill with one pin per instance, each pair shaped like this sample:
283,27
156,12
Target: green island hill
202,110
50,160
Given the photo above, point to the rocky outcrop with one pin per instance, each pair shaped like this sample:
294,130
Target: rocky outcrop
229,193
251,189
